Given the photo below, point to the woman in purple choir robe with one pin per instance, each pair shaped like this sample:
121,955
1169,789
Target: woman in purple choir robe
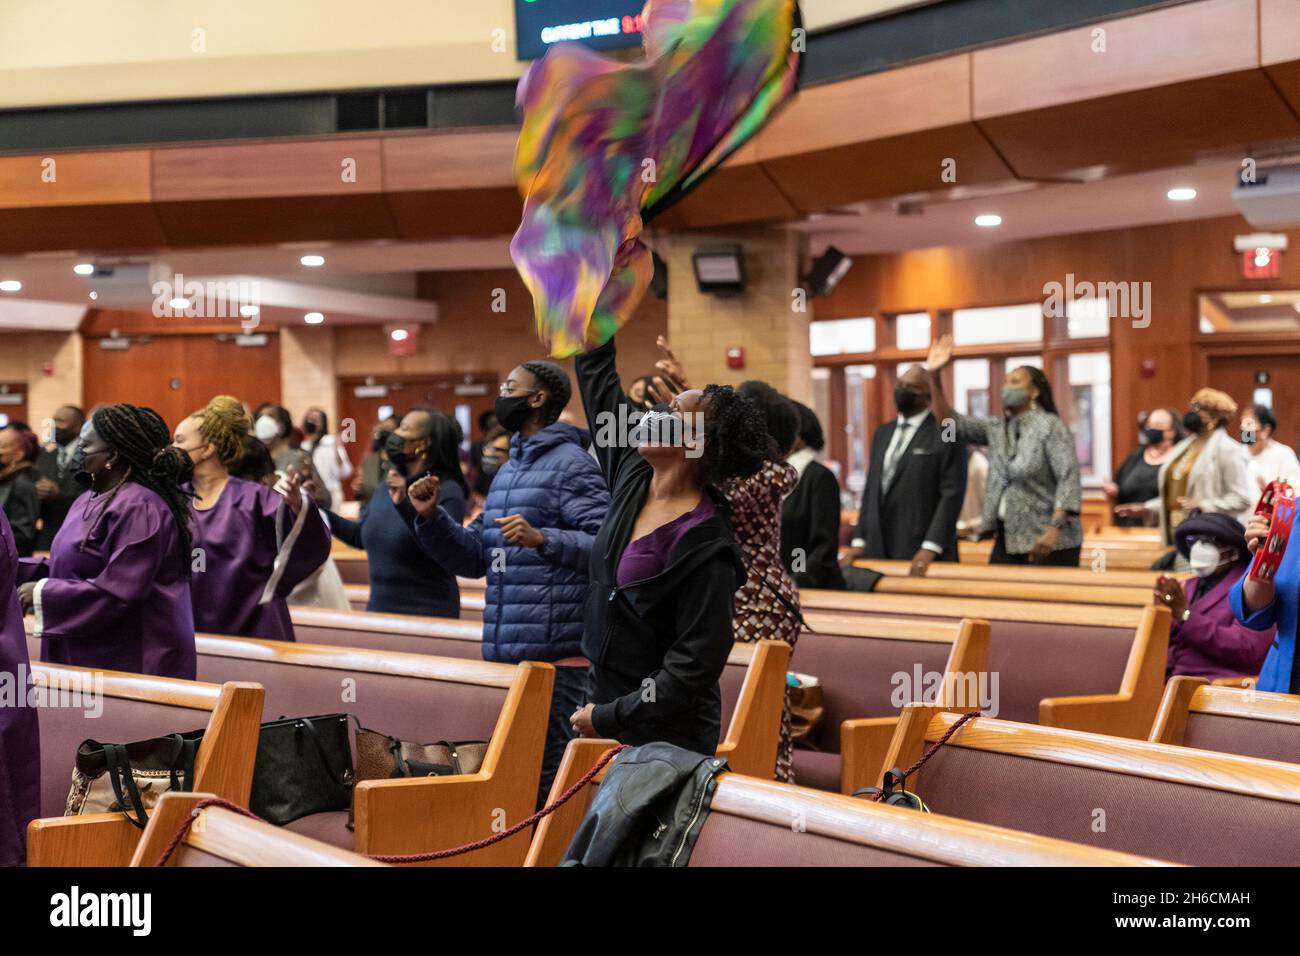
253,544
20,736
114,593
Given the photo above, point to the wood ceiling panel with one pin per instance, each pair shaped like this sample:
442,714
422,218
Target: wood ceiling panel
97,228
310,168
1164,47
897,166
451,213
276,219
733,194
1280,46
1148,129
74,179
878,106
472,160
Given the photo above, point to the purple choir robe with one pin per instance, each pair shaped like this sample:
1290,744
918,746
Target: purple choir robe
1212,643
113,593
254,553
20,734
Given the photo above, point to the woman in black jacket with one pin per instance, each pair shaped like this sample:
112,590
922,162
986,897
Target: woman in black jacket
810,516
664,566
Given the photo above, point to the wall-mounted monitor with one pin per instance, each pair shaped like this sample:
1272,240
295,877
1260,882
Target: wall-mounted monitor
600,24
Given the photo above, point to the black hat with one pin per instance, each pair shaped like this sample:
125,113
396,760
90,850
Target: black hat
1225,530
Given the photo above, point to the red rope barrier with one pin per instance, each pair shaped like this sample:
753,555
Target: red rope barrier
930,751
564,798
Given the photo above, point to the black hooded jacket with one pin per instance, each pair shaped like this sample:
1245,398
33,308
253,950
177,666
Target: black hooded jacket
658,646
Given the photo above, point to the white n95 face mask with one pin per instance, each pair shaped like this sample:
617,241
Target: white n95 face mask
266,429
1204,558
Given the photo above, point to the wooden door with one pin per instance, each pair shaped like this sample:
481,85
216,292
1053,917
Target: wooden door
463,396
1236,375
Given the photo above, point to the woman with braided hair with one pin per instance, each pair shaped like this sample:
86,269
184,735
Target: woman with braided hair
532,540
114,593
665,567
253,544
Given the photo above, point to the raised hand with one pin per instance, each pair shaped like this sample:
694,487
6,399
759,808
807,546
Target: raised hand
940,353
424,495
292,489
670,365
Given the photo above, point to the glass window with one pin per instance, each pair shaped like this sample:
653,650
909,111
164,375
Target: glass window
1087,318
1012,323
971,387
1089,397
842,336
1269,312
1036,361
857,389
912,330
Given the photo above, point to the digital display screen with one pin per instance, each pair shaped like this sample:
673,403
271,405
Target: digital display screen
600,24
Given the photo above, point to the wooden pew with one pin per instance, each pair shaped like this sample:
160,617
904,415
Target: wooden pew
750,735
1001,590
1119,554
135,707
756,822
1252,723
1172,803
953,570
418,698
1088,667
864,677
220,837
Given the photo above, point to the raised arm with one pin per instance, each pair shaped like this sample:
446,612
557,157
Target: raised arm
973,430
608,410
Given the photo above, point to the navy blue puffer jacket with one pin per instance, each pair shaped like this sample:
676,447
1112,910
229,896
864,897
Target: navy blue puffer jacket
534,599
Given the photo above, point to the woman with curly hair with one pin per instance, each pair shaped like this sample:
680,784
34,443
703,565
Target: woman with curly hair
253,544
114,593
665,566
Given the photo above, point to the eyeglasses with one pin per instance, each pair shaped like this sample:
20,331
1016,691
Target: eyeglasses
507,390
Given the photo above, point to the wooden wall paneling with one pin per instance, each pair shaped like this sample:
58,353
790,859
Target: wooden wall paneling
1279,46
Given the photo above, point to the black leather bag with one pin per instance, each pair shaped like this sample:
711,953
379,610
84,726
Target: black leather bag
304,766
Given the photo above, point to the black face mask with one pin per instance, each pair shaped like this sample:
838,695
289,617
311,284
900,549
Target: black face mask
77,465
64,435
513,411
1192,422
395,452
908,402
381,440
1154,435
309,428
489,466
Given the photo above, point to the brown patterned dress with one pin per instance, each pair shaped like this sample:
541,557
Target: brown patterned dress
760,614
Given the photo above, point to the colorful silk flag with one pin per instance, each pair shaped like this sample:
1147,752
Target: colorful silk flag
606,145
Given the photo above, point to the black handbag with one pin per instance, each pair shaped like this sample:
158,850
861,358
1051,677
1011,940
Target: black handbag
304,766
131,777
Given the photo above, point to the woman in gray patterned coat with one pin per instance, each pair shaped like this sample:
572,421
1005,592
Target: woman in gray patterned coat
1033,493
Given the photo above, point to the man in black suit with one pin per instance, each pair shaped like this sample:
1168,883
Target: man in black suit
56,487
915,487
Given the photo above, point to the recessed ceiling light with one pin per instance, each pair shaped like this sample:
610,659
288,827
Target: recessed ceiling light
11,285
399,335
84,269
313,318
312,261
988,220
1182,194
248,311
179,303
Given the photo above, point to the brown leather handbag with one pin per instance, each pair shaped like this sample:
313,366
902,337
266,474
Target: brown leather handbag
382,757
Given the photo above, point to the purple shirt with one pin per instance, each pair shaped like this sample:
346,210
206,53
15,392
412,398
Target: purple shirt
116,596
648,555
253,553
20,736
1212,643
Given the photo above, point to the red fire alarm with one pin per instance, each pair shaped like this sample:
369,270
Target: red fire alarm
48,368
735,357
1148,368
